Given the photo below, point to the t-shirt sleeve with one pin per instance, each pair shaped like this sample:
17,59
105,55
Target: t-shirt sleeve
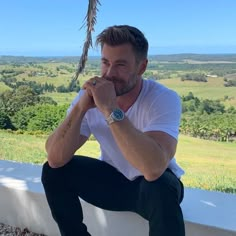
84,129
164,114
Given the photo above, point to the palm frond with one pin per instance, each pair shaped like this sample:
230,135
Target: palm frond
89,21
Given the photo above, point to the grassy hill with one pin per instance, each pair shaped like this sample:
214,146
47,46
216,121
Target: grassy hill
209,165
213,89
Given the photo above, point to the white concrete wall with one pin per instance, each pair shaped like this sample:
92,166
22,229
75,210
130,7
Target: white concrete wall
23,204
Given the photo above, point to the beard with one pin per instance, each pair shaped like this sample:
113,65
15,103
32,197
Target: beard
123,86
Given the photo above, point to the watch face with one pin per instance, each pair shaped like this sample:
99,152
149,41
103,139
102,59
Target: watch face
118,114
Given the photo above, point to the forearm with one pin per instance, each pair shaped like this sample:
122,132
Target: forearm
63,142
140,150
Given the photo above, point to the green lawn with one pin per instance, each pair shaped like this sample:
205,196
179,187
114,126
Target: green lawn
62,98
208,165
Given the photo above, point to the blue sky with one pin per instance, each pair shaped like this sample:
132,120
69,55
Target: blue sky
52,27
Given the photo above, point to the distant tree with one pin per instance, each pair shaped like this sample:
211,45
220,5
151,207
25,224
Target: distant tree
42,117
230,83
189,96
231,110
47,100
194,77
210,106
24,96
190,103
50,88
5,121
62,89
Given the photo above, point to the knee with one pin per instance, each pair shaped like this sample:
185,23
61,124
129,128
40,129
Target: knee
153,189
164,189
50,176
159,200
57,178
45,173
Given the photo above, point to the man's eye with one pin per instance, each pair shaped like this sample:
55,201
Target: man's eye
104,62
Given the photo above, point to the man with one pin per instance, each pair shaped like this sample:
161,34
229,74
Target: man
136,123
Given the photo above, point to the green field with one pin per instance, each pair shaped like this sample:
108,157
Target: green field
62,98
208,165
213,89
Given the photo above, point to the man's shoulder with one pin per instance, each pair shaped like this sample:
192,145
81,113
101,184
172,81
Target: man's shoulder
155,89
157,96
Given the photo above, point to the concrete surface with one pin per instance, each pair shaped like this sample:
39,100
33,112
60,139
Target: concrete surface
23,204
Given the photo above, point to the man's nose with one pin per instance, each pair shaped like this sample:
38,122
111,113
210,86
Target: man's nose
111,72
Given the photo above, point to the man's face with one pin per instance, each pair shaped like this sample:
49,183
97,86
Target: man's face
119,65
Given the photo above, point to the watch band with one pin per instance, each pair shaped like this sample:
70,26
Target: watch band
109,120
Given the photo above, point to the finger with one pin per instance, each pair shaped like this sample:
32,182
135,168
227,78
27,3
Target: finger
88,84
89,92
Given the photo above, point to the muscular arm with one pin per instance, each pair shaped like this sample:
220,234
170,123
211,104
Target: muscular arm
66,139
149,152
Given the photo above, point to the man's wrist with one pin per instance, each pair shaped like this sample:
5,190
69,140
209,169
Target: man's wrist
80,110
116,115
108,110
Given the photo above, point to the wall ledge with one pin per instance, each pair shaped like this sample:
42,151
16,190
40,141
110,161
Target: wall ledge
23,204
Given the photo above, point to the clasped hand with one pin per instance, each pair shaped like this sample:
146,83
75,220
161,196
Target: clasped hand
100,93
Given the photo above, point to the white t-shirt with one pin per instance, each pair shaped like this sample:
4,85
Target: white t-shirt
157,108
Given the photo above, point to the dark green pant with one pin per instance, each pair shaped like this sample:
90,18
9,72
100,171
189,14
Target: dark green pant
103,186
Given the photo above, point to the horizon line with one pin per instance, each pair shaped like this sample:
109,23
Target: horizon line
151,54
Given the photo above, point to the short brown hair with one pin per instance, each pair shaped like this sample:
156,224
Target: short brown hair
122,34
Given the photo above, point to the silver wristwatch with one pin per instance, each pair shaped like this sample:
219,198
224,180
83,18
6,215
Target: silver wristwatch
116,115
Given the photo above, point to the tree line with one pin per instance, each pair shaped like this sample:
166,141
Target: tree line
207,119
23,110
40,88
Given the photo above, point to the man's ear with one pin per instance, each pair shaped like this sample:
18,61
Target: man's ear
142,66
